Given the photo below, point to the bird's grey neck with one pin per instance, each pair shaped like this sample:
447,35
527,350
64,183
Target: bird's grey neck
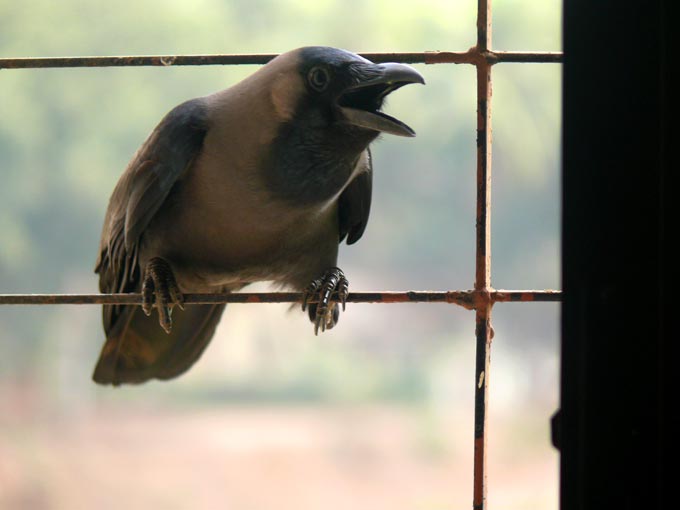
309,166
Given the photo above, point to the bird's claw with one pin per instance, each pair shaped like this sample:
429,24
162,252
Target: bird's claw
322,297
160,289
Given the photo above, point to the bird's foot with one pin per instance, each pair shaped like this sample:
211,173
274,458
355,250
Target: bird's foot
160,289
323,295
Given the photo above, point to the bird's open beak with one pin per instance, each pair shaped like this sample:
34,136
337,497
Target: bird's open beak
360,104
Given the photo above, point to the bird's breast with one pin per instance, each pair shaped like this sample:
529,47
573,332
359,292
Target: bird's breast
222,227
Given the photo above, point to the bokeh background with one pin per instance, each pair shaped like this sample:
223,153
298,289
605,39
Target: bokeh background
376,414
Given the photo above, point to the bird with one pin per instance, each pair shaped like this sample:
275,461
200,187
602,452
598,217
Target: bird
258,182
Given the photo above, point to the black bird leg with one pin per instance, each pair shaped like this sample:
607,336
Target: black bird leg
324,311
160,289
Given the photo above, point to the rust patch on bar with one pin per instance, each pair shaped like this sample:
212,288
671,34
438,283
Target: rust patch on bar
464,299
449,57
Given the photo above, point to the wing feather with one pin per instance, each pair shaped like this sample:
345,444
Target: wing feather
141,191
355,202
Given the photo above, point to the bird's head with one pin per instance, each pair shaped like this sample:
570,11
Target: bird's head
328,107
333,88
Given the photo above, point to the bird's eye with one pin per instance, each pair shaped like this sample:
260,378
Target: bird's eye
319,78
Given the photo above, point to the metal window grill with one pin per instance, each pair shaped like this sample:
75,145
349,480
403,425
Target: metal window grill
480,299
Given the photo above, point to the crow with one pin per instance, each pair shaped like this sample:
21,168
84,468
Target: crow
258,182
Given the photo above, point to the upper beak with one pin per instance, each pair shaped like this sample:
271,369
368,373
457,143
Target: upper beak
360,104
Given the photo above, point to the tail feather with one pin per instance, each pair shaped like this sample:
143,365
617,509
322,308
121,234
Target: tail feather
137,349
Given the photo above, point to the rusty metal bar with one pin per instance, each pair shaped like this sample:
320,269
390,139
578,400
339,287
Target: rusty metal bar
471,56
520,57
483,329
465,298
524,296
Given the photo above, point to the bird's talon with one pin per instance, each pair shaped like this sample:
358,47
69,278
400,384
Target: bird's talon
161,290
343,292
309,292
325,294
165,318
147,294
176,297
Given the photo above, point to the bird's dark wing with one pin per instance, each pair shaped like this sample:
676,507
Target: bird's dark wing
355,202
136,348
158,165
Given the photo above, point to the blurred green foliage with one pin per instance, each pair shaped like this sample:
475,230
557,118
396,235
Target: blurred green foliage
66,135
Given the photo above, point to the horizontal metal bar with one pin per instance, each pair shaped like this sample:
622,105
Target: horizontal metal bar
519,57
465,298
427,57
510,296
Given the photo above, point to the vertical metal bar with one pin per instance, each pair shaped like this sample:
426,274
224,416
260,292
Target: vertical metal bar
483,25
483,272
483,330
